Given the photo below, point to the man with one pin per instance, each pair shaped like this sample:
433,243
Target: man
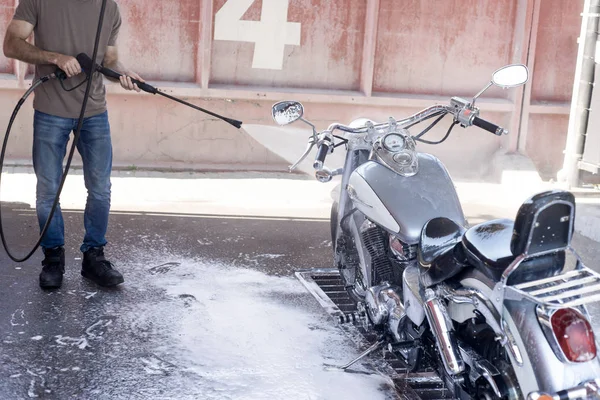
63,29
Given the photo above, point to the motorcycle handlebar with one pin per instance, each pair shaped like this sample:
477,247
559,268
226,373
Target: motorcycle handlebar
321,154
488,126
408,122
413,119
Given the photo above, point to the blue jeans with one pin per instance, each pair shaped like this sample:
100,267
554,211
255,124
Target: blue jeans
50,138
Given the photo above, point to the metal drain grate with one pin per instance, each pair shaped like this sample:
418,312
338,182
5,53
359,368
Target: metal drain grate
327,288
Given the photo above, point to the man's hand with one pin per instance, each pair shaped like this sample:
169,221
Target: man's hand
111,60
68,64
126,82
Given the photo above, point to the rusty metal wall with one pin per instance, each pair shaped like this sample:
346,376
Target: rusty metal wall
556,50
343,59
329,56
6,12
161,38
553,59
447,49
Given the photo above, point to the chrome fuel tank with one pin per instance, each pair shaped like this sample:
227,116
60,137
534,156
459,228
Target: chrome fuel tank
403,205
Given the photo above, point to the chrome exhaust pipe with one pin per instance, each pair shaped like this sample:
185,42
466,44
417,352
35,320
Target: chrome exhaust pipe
441,325
384,306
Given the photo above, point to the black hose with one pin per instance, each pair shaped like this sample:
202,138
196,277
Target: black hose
4,145
62,84
71,153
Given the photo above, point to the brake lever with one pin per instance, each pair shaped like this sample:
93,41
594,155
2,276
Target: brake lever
311,143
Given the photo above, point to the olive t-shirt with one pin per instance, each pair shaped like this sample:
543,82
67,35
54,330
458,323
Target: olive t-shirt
69,27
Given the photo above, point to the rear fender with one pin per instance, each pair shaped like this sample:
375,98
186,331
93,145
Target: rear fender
541,369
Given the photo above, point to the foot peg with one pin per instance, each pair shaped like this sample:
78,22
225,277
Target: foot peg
405,345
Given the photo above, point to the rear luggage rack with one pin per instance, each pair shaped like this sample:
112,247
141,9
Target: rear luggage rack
569,289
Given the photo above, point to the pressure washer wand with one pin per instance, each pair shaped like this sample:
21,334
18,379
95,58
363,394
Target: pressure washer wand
87,65
237,124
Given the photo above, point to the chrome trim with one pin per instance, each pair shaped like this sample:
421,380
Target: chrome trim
586,390
354,196
384,305
385,156
500,287
553,296
574,293
547,280
565,285
544,316
489,312
512,267
590,293
512,344
415,118
481,92
441,324
375,304
311,143
413,302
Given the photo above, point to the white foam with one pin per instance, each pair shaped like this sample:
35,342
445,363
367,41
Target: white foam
243,341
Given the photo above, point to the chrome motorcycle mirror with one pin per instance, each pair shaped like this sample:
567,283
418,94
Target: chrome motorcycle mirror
511,76
286,112
506,77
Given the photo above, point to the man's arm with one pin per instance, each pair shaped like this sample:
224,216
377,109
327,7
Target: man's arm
17,47
111,60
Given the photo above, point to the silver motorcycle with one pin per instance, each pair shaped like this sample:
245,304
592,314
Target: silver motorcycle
499,307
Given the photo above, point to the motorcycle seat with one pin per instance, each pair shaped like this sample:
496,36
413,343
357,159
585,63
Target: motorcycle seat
488,246
541,232
437,254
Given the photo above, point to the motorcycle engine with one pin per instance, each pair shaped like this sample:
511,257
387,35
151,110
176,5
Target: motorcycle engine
389,256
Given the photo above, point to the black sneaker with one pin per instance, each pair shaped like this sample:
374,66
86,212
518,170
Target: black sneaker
53,269
98,269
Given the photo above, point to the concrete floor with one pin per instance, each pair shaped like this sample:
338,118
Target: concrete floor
75,343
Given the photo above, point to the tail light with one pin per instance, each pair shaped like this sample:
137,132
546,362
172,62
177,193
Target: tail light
574,335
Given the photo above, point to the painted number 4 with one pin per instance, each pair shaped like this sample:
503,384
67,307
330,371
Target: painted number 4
270,34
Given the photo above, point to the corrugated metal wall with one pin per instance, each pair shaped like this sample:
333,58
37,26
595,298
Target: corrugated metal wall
343,59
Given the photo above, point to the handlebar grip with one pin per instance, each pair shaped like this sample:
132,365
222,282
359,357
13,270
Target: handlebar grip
321,154
488,126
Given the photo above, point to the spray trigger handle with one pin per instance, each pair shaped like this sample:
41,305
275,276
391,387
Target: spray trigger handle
60,74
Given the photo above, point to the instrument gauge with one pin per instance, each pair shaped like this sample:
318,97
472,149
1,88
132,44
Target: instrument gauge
393,142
